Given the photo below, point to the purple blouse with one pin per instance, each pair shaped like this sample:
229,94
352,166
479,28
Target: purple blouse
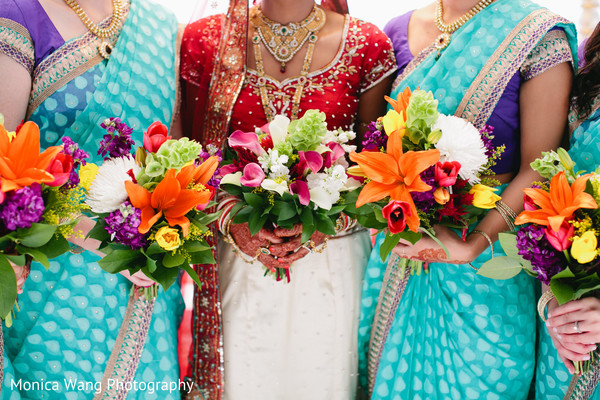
504,119
32,16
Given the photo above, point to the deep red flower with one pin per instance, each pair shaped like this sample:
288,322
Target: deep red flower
155,136
446,173
60,168
560,239
396,213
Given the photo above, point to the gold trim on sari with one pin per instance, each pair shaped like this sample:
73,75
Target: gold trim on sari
17,44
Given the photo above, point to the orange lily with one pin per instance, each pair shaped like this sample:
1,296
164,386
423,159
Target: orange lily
172,197
21,163
394,174
401,103
559,203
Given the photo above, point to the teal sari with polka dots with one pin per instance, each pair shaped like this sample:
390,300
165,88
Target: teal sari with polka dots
552,377
70,315
450,333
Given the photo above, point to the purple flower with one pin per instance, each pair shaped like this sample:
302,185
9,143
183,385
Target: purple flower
23,207
424,201
211,150
487,135
535,248
122,224
374,138
79,158
117,142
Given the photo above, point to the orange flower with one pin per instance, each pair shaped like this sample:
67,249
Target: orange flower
559,203
172,197
394,174
21,163
401,103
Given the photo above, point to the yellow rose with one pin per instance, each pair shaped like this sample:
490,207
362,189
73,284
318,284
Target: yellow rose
484,196
87,174
584,247
168,238
441,196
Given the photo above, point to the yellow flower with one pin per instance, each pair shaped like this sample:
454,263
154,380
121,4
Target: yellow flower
356,170
87,174
584,247
168,238
394,122
484,196
441,196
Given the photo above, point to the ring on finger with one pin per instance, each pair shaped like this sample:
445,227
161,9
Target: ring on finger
309,245
576,327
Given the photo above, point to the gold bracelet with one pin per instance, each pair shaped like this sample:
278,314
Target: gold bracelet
507,214
545,298
312,247
488,238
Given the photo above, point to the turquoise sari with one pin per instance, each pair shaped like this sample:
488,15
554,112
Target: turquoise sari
451,333
70,317
552,377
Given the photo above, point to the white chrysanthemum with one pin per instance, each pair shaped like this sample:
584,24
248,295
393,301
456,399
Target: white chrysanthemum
274,165
325,187
461,142
107,191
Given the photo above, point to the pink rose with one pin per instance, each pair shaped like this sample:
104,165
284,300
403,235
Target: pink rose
60,168
396,213
560,240
253,175
446,173
155,136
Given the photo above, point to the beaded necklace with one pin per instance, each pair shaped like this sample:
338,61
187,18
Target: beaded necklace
104,48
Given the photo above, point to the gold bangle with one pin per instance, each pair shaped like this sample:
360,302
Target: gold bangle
507,214
545,298
487,237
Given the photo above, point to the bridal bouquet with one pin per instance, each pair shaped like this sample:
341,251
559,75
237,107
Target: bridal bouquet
559,243
149,206
40,198
289,173
422,168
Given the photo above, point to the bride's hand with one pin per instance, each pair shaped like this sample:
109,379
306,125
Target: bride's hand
293,249
427,249
252,245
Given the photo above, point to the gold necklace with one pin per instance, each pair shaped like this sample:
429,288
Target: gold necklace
284,41
443,40
262,81
105,48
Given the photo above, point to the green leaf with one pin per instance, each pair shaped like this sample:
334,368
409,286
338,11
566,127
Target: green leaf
195,245
35,254
388,245
410,236
99,232
8,287
335,210
243,215
57,246
238,206
172,260
187,268
306,216
307,231
562,290
6,241
255,200
256,222
202,257
501,268
35,236
154,249
120,260
164,276
324,224
587,284
151,264
508,241
284,210
232,189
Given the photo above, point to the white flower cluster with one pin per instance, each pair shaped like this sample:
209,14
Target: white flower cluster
274,165
325,187
107,191
341,137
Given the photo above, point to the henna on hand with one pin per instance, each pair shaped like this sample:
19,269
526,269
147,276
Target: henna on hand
251,245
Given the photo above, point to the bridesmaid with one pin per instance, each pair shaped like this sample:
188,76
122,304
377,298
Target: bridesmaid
573,329
450,333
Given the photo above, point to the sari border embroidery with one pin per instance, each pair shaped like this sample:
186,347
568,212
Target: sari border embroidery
484,93
72,59
394,282
17,44
583,386
412,65
552,50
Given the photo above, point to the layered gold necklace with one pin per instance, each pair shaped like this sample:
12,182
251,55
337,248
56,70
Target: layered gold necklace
105,47
447,30
284,41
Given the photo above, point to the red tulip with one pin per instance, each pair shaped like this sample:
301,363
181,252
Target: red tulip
446,173
155,136
60,168
396,213
560,239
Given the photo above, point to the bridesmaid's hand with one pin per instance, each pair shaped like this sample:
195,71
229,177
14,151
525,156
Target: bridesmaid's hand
427,250
251,245
21,272
138,279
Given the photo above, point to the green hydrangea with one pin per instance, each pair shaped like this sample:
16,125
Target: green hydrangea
285,147
548,165
307,132
421,112
173,154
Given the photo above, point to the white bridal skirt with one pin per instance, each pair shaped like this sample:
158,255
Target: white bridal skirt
297,340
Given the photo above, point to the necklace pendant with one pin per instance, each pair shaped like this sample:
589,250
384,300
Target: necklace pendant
105,49
442,42
282,69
